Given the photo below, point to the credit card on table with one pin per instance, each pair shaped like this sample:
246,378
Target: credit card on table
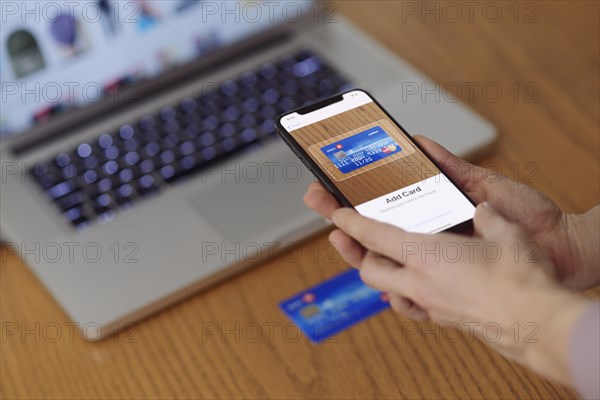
361,149
333,305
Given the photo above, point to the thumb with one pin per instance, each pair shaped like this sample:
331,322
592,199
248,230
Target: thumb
490,224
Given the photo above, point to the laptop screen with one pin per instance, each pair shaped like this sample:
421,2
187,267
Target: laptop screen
59,55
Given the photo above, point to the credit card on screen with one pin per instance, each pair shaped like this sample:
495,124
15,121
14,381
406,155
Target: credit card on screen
361,149
333,305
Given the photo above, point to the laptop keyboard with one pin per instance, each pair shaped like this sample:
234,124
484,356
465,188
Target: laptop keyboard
95,180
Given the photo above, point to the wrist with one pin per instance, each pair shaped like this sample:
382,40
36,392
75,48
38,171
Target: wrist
558,312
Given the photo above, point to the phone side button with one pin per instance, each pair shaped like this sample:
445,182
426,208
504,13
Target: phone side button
307,165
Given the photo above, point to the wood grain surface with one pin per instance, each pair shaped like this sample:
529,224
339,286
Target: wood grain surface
233,342
373,180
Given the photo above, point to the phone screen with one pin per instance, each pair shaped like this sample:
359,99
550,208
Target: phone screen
373,163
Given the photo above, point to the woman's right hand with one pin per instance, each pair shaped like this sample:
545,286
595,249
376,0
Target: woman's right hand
570,240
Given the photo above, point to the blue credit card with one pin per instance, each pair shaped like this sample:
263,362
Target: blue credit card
361,149
334,305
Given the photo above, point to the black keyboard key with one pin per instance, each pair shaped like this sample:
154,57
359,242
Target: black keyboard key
168,113
90,162
146,185
249,135
188,163
149,136
168,172
227,130
268,70
60,189
126,132
171,127
251,92
126,175
187,148
110,168
248,78
167,157
290,88
84,150
104,215
209,153
270,96
151,149
104,201
251,105
130,145
105,141
104,185
191,131
146,166
229,144
112,153
125,196
71,200
229,87
206,139
125,193
132,158
188,105
210,123
231,114
268,112
62,160
248,121
90,176
69,172
147,123
75,215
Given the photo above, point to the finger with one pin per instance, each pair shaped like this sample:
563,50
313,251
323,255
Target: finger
482,184
408,308
316,186
463,173
351,251
489,224
385,275
385,239
320,200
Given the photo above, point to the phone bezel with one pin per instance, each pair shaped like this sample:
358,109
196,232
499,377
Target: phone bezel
465,227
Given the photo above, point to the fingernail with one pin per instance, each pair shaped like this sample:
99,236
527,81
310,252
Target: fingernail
334,217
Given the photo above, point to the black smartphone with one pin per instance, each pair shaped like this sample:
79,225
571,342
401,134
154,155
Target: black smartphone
368,161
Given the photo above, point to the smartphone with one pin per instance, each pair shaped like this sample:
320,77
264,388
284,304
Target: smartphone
368,161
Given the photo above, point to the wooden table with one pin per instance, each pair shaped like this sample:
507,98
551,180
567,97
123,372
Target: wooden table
233,342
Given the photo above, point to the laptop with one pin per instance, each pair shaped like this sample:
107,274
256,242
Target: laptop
140,162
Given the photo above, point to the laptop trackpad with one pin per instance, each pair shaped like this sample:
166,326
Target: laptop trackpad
253,198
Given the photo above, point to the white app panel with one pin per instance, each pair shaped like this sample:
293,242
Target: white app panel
429,206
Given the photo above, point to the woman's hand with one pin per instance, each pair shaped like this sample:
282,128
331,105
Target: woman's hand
496,279
568,239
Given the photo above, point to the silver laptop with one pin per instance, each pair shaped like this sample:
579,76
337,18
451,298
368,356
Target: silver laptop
139,158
